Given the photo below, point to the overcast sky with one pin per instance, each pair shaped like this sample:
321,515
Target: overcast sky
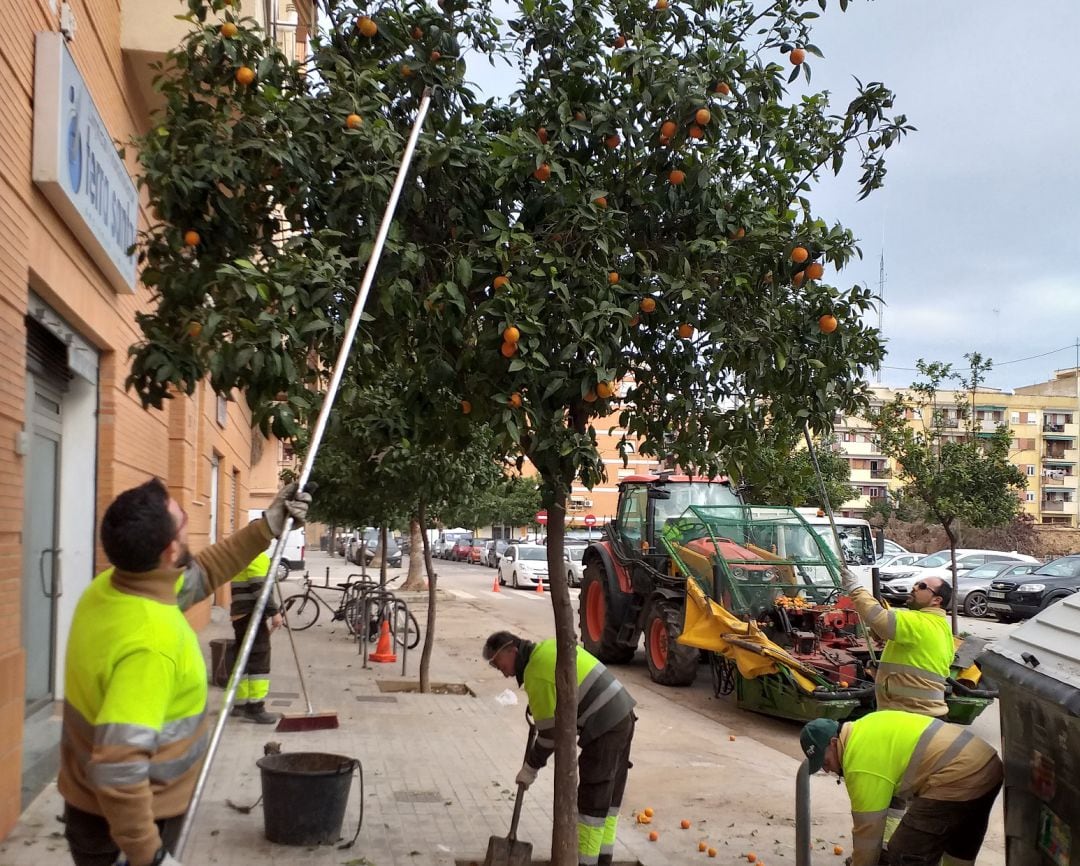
978,216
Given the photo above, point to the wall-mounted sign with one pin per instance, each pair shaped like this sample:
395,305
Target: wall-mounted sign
77,167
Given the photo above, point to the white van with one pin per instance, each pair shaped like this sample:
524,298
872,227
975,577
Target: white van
292,558
855,536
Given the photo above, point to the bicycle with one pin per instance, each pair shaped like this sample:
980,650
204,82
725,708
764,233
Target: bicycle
387,608
301,609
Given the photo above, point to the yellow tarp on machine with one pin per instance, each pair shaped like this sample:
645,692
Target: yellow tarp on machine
709,626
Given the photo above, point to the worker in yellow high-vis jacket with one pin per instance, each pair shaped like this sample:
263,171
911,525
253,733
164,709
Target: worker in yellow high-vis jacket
254,686
919,648
952,776
135,726
605,722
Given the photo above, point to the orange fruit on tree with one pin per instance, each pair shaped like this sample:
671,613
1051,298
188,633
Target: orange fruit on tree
722,89
613,277
799,255
738,234
436,56
814,271
579,115
664,141
827,323
466,407
600,201
604,390
620,41
612,142
367,26
191,238
634,322
712,852
798,279
797,56
696,131
837,850
668,128
684,824
229,30
511,334
194,329
417,33
406,71
515,400
508,350
648,305
500,282
245,75
653,836
542,134
353,121
676,177
686,331
701,846
543,172
702,116
590,396
661,5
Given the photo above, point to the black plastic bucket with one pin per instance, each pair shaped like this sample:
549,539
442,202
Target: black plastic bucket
304,796
222,660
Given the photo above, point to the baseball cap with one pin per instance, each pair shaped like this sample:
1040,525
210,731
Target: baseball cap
814,740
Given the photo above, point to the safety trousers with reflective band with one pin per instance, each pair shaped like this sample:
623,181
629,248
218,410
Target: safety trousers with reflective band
254,686
602,770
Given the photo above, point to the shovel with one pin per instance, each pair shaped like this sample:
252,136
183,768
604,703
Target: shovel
508,851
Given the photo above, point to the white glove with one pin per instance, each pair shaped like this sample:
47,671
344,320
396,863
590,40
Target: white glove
288,502
848,579
526,775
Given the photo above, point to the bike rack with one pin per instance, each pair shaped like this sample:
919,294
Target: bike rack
373,599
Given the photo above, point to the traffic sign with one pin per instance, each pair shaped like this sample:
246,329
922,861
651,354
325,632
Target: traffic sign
590,520
541,517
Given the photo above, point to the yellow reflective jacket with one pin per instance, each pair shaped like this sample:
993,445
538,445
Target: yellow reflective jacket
135,727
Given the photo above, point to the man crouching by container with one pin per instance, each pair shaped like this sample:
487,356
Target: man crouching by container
605,722
952,776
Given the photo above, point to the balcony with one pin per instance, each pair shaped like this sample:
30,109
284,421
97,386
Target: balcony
1053,428
1054,505
1060,455
881,473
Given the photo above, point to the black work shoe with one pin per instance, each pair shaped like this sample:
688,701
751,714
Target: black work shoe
258,714
238,710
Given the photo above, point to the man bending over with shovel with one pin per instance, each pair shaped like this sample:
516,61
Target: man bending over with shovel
605,721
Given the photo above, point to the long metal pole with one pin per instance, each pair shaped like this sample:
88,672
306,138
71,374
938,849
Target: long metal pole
305,472
802,815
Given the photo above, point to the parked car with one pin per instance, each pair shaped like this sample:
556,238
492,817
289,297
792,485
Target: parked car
367,545
343,544
574,553
475,551
492,551
894,561
891,548
444,547
971,587
1013,598
459,550
524,565
896,585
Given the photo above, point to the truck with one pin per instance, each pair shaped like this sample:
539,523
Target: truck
292,558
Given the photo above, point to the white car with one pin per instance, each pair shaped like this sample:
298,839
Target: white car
574,554
523,565
896,585
896,561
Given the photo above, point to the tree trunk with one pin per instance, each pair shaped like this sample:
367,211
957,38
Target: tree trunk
415,579
382,556
955,580
330,545
429,628
564,833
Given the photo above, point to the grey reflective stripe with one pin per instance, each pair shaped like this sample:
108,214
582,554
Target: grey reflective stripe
193,586
588,859
896,668
544,724
908,780
590,820
929,694
545,743
591,677
957,745
166,771
118,775
181,729
613,810
137,736
600,701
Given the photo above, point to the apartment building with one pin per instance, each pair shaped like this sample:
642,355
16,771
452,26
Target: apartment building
77,78
1042,419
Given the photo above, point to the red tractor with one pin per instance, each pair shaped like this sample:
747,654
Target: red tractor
629,586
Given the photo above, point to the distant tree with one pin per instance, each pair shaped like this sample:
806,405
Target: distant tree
783,474
959,471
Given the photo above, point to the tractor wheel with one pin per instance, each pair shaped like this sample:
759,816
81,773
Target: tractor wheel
670,663
599,632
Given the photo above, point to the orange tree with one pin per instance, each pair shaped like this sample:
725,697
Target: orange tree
631,232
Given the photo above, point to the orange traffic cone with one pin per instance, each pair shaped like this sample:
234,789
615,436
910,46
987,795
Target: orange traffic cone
539,586
384,652
495,584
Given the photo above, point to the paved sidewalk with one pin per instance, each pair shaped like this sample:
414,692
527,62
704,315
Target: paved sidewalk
439,769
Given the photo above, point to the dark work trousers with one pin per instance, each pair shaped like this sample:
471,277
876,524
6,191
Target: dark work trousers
933,828
255,684
602,769
90,843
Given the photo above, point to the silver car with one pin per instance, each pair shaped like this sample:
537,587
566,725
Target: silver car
971,586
